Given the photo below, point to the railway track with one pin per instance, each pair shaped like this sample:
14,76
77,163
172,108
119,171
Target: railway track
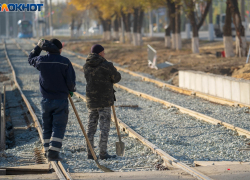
58,167
180,90
168,160
81,84
235,124
75,150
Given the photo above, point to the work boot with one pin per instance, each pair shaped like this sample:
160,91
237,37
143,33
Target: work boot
107,156
90,156
54,156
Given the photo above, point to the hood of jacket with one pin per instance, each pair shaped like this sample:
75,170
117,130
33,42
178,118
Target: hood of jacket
94,59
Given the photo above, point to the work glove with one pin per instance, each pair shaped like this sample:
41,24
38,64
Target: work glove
71,93
41,42
48,46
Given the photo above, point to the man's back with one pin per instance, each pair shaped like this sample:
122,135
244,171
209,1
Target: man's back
57,81
100,76
57,76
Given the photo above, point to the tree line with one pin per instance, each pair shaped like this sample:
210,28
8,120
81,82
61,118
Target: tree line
124,14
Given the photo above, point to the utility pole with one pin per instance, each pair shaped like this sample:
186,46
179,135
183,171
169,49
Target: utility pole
7,24
157,20
188,29
211,25
242,9
50,19
122,29
14,15
45,17
150,24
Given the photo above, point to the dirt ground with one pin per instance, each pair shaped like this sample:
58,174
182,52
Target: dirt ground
135,58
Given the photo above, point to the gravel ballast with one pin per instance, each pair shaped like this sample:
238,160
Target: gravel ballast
180,135
236,116
138,157
20,144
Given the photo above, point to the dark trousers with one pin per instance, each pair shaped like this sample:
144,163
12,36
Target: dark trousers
55,117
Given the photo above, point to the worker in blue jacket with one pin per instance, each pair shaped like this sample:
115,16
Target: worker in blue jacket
57,80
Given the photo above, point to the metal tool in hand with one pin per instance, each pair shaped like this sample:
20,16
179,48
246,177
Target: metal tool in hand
120,146
105,169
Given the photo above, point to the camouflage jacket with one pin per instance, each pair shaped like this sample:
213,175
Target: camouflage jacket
100,76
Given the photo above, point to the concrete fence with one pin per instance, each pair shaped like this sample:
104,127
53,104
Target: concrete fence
216,85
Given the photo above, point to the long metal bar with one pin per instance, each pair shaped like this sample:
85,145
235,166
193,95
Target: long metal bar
58,171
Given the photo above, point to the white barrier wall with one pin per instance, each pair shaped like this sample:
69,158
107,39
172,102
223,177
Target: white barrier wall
216,85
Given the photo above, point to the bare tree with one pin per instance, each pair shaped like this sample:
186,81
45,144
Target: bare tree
116,28
227,32
177,34
241,44
127,24
171,10
190,9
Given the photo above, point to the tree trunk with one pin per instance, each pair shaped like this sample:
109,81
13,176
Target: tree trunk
171,9
168,31
196,26
241,45
136,11
116,28
72,26
104,29
178,44
108,29
195,38
139,27
121,30
79,24
211,25
127,25
227,33
167,37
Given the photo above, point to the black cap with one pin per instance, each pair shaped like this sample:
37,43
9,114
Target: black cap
97,48
57,43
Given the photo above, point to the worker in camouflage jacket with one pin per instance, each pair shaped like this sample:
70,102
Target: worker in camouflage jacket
100,76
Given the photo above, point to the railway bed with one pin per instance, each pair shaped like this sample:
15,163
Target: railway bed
74,144
235,118
122,95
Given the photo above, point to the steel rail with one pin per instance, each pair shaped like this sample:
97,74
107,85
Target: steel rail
203,117
180,90
195,114
60,171
168,160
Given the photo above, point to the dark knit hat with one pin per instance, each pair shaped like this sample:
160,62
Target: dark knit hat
57,43
97,48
